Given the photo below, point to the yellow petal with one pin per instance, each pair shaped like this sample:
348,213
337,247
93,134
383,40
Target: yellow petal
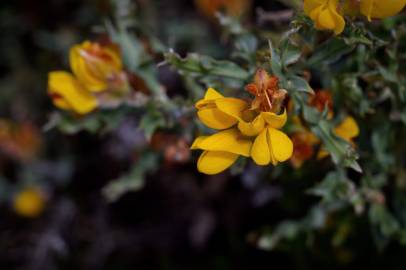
338,19
324,14
366,8
215,162
218,112
216,119
326,19
229,140
310,5
315,13
197,141
260,151
322,154
60,102
281,145
381,9
82,72
208,99
231,106
252,128
211,93
94,65
62,85
348,129
275,120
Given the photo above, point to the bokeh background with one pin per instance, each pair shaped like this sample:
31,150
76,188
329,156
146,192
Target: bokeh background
179,219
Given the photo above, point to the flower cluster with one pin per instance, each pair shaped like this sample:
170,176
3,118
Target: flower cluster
97,72
249,129
305,141
328,14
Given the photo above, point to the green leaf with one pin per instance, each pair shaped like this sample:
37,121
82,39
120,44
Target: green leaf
329,52
100,121
311,115
247,43
381,217
195,64
335,187
290,229
275,61
390,76
151,121
133,180
296,83
132,50
341,151
135,57
285,230
290,54
246,46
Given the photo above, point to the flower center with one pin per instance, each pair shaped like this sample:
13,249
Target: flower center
268,96
249,115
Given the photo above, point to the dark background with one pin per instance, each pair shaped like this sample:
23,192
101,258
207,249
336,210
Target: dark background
180,219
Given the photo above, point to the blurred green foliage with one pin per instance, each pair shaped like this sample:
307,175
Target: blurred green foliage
134,154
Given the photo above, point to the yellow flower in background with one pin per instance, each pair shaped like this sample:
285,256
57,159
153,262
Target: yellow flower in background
305,141
380,9
68,93
325,14
30,202
95,66
98,79
347,130
245,130
328,14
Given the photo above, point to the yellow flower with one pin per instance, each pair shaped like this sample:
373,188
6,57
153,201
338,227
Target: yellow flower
95,66
381,9
96,69
272,145
347,130
30,202
245,132
325,15
68,93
